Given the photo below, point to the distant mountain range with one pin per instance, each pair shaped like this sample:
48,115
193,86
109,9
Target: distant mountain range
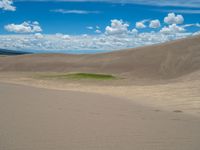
12,52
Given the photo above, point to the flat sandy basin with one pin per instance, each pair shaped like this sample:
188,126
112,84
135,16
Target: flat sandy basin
43,119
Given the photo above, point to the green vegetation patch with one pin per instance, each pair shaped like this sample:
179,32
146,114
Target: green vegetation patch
79,76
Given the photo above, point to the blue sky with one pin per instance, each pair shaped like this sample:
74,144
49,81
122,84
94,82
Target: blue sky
95,24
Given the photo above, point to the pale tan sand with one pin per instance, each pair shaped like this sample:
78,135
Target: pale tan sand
164,75
148,108
42,119
181,94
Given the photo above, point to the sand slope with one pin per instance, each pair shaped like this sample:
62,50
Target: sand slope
166,75
143,116
42,119
163,61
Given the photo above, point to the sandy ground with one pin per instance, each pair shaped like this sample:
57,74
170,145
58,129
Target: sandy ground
182,94
43,119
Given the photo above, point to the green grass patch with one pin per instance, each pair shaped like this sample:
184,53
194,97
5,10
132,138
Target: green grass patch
79,76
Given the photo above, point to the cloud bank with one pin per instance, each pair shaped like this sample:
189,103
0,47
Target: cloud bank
117,35
61,43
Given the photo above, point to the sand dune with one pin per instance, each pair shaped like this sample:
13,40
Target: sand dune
42,119
155,105
163,61
165,75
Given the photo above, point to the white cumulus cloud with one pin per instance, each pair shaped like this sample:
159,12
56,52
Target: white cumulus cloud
98,31
39,36
172,29
134,31
7,5
172,18
154,24
118,27
66,37
141,24
25,27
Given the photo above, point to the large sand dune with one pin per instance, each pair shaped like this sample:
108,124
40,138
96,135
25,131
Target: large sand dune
163,61
165,75
154,106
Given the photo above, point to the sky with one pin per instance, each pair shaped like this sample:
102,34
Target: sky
63,25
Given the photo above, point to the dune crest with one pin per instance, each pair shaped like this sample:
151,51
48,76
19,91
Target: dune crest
163,61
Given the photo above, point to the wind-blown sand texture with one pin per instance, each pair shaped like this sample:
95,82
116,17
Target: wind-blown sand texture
42,119
153,104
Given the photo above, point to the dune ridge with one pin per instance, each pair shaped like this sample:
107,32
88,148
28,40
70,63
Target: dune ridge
162,61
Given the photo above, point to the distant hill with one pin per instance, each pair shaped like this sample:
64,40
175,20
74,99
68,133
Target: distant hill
162,61
12,52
